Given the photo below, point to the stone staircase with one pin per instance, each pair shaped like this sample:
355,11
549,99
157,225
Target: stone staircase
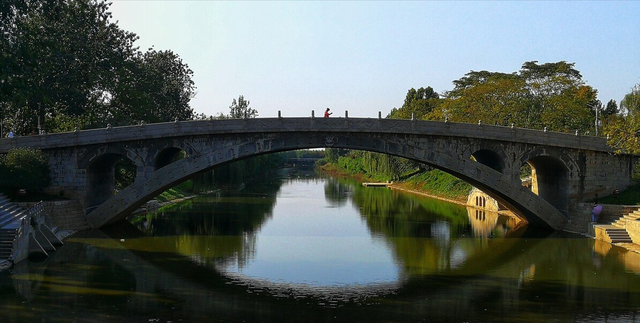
7,236
615,234
622,222
617,231
10,217
10,214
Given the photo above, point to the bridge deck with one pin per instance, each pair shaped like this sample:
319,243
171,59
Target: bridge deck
302,125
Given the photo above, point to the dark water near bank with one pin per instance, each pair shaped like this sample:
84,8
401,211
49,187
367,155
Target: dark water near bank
306,249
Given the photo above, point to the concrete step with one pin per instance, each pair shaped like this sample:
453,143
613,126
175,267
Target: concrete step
6,242
12,213
10,222
7,205
618,235
622,221
10,210
9,215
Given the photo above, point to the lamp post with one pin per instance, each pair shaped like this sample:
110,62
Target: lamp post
596,107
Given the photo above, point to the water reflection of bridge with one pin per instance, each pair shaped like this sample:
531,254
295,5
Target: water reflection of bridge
158,276
493,224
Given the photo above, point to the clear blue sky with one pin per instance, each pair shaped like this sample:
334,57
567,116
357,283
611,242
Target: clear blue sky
363,56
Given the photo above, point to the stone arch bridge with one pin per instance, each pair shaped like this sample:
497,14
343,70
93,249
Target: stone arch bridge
567,169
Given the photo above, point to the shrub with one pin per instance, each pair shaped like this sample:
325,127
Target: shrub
24,168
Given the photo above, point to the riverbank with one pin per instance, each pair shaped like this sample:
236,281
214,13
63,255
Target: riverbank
334,171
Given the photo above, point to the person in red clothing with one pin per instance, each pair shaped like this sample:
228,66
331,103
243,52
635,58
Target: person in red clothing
327,113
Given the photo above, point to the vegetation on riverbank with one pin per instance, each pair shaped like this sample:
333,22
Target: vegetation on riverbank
24,170
630,196
179,191
431,182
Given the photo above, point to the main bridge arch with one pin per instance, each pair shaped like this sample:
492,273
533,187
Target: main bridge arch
453,158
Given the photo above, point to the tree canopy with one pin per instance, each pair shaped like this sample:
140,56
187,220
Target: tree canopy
24,168
418,103
66,65
623,130
551,95
240,109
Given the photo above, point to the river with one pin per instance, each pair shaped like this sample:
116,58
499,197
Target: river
306,248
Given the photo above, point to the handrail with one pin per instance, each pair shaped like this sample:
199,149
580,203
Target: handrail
32,217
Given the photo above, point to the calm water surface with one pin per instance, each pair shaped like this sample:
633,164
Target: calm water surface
300,248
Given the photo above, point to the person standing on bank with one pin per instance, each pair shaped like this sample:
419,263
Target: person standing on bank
595,212
327,113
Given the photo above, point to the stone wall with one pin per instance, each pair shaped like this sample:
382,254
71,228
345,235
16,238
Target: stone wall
63,215
580,220
479,199
633,229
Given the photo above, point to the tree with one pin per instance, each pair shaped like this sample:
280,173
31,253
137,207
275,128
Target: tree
59,57
66,65
156,87
418,103
611,109
25,168
240,109
550,95
495,98
623,130
631,102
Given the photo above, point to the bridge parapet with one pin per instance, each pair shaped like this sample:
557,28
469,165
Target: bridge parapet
274,125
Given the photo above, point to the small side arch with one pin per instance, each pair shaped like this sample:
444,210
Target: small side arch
549,178
166,152
489,158
167,156
99,165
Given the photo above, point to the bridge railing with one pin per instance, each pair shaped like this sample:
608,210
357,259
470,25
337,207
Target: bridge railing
304,124
33,216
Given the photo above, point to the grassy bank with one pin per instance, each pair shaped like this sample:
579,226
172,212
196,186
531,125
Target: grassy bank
630,196
433,183
180,191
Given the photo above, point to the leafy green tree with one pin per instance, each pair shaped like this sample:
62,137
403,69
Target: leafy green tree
493,98
58,58
475,78
631,102
24,168
333,154
611,108
66,65
156,87
623,130
418,104
550,95
240,109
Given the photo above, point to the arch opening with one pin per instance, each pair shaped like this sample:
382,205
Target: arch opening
106,175
168,156
489,158
548,180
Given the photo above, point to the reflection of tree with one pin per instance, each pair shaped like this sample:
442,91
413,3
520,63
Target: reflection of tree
426,235
336,192
215,227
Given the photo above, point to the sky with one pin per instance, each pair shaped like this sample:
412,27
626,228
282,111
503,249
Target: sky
363,56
